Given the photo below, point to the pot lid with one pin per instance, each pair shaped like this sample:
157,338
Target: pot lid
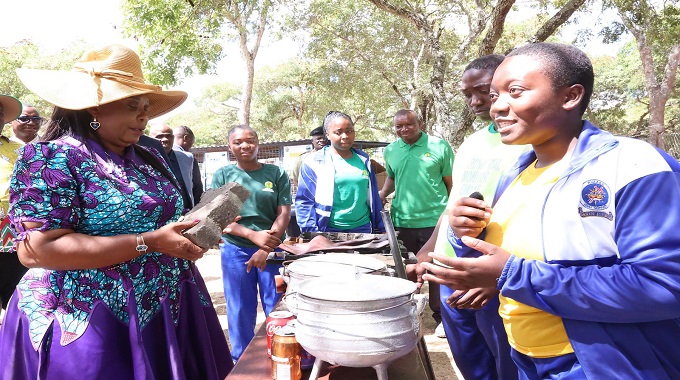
364,288
335,264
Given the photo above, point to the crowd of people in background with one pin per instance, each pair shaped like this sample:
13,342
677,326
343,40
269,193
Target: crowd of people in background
549,245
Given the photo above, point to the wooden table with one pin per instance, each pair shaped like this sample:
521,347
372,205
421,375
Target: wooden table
254,364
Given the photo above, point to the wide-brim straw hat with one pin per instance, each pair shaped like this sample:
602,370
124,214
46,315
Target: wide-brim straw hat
99,77
11,107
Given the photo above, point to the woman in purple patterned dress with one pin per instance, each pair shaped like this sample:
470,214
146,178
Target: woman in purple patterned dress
112,292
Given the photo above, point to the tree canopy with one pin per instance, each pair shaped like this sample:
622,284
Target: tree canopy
370,58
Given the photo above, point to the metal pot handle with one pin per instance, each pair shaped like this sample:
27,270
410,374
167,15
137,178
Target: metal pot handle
289,305
419,301
284,273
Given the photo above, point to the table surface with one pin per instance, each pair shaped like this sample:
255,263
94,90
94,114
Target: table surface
254,364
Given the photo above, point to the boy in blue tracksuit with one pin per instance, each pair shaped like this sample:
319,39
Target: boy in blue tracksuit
582,240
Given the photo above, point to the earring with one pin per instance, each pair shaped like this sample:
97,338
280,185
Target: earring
94,124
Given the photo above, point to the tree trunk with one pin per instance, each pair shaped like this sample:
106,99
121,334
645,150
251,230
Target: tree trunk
431,35
239,20
500,12
637,23
550,26
244,112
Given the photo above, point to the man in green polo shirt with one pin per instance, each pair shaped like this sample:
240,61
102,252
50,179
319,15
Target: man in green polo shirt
419,173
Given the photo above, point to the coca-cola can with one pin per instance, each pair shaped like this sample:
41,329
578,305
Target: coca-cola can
275,321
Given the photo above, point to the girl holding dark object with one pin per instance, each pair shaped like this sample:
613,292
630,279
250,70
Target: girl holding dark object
587,269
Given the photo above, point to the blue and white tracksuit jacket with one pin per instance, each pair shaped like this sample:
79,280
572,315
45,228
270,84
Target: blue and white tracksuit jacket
611,243
316,186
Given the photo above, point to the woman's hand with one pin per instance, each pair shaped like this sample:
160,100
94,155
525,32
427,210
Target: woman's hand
469,217
467,272
475,298
170,241
257,260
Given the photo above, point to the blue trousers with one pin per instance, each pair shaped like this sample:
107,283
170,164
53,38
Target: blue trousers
564,367
240,291
478,341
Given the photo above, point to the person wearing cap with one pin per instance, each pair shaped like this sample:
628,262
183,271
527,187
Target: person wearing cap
25,127
318,142
11,269
112,291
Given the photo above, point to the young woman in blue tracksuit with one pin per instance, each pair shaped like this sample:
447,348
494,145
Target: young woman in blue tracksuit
337,188
594,264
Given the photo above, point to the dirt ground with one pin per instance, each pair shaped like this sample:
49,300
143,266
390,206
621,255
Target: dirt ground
438,348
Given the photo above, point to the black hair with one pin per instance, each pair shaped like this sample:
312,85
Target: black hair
485,62
76,124
565,65
241,127
403,112
183,129
333,115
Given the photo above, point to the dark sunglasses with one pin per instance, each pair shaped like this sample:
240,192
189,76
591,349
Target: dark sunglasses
26,119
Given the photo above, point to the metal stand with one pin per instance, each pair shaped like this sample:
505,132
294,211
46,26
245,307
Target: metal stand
401,273
394,244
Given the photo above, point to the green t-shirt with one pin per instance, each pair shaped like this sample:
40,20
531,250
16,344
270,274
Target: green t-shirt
350,198
420,194
269,188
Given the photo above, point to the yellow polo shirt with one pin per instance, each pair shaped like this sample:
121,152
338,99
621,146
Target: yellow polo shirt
515,226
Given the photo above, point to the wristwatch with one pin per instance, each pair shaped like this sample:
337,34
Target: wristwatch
141,246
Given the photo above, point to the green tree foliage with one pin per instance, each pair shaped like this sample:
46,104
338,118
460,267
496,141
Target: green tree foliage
372,62
619,100
181,38
26,54
656,28
176,39
214,115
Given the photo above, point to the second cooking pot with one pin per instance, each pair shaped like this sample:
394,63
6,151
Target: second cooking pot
332,264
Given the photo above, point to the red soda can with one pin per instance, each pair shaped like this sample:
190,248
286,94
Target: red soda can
275,321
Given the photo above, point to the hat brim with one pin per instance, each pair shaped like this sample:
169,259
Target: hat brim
11,107
77,91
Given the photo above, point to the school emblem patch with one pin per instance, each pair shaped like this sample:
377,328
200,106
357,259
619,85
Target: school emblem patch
268,187
595,196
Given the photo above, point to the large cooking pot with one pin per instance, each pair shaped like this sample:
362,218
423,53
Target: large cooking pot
345,265
363,322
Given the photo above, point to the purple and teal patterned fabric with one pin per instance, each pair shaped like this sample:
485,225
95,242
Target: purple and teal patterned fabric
66,184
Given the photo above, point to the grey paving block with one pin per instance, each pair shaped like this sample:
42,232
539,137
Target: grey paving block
218,208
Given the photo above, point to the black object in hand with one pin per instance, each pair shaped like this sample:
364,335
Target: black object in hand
477,195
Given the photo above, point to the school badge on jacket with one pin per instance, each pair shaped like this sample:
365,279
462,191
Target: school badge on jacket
595,197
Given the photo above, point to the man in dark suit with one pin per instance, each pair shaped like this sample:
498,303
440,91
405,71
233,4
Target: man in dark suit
184,140
181,163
